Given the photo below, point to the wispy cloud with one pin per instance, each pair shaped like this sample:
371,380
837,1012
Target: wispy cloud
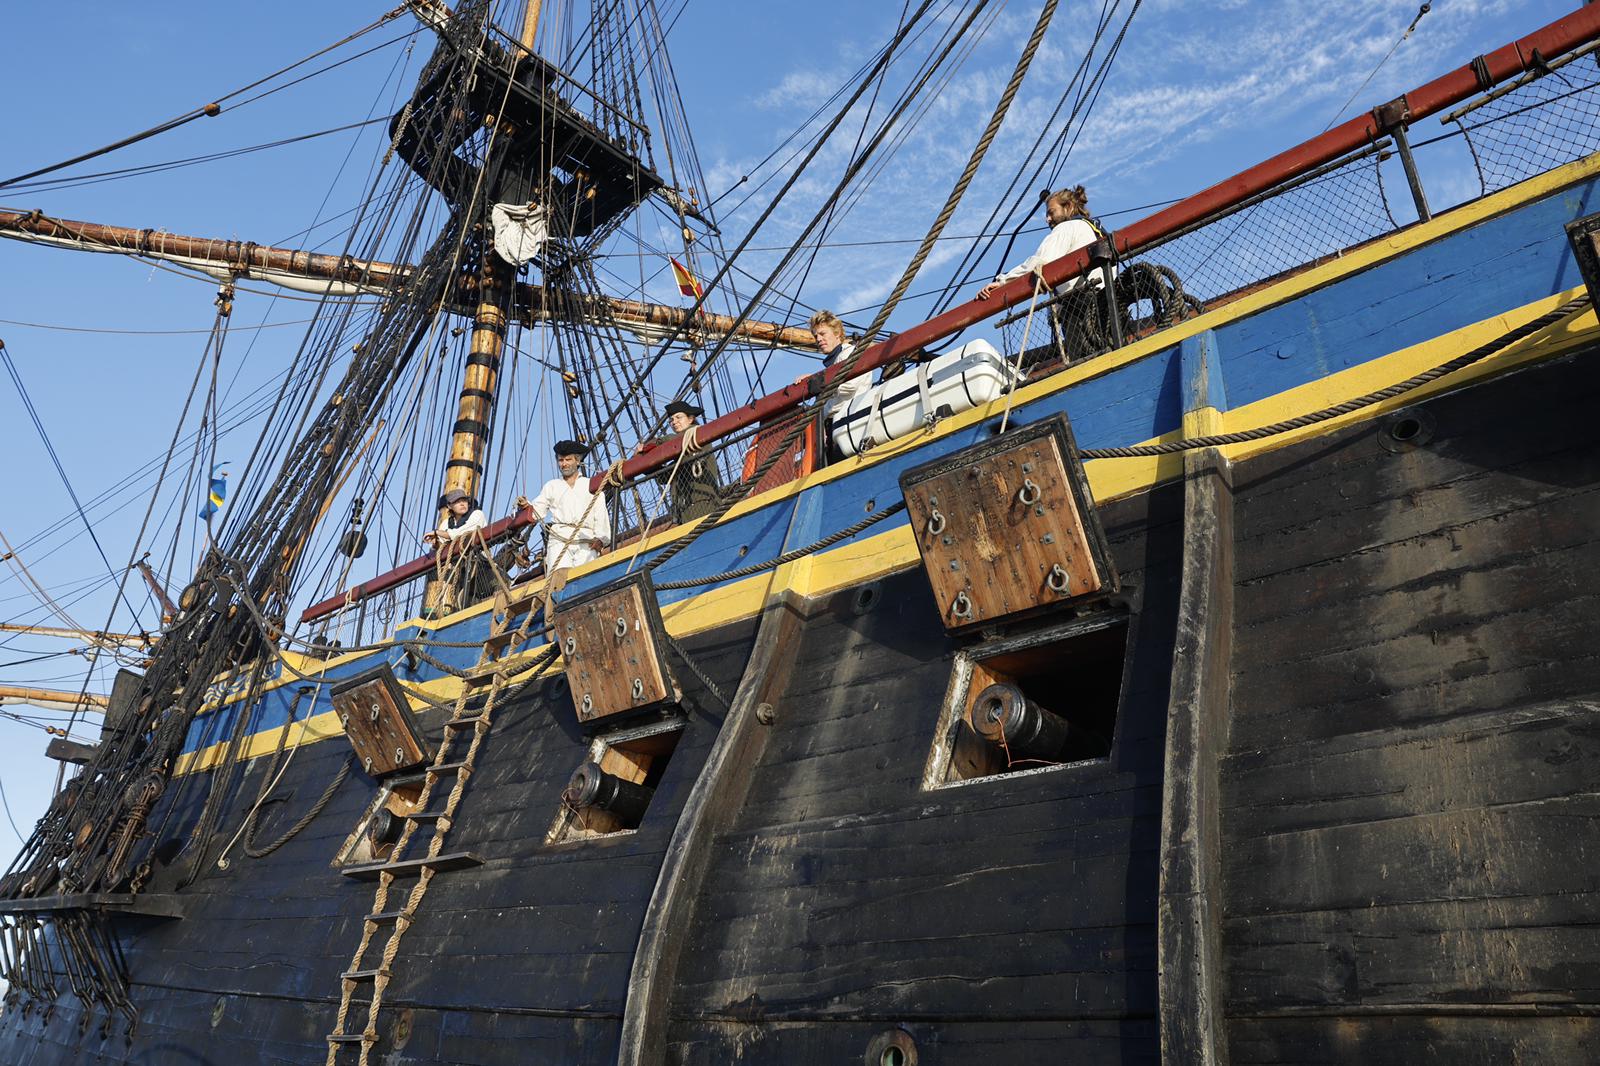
1200,90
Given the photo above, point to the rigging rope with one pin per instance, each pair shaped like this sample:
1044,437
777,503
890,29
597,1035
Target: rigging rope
210,110
884,58
979,151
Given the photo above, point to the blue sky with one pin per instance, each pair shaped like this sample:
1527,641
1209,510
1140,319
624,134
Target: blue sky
1201,89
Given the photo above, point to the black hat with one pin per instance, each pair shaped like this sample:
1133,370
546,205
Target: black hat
571,447
453,495
683,407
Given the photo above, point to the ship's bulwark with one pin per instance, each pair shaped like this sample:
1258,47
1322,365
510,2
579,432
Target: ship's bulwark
1407,813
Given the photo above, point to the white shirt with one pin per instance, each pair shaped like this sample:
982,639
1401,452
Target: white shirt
849,389
561,508
1064,238
475,521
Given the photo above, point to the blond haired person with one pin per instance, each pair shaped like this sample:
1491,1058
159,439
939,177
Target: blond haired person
828,332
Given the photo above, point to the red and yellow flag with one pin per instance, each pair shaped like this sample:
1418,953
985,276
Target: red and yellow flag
686,281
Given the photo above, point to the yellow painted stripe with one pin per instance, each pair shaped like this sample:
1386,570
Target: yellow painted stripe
1406,363
886,552
1356,261
872,557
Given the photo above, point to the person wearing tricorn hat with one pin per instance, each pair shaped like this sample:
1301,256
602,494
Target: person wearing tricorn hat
695,488
575,522
463,518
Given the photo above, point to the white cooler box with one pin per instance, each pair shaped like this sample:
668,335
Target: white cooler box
948,384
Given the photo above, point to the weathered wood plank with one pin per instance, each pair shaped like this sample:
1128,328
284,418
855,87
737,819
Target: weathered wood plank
1409,1039
723,783
1464,762
1190,897
1511,950
1100,1042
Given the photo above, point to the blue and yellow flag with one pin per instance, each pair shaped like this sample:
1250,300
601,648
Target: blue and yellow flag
218,493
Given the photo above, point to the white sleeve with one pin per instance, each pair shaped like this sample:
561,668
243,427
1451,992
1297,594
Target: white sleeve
599,524
542,503
1067,237
475,521
850,388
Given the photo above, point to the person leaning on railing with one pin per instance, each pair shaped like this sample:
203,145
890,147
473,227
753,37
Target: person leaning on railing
454,542
577,528
464,519
694,488
1070,229
828,331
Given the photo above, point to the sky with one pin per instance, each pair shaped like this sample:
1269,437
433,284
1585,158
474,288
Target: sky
104,346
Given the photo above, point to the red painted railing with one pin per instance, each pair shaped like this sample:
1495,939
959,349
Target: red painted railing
1504,63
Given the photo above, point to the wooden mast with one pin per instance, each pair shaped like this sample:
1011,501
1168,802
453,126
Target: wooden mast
476,404
469,446
530,25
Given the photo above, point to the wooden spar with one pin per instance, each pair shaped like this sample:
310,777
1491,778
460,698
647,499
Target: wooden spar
281,266
138,639
1558,37
664,318
530,25
231,258
169,610
51,698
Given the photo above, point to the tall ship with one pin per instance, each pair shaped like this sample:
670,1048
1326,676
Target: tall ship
1182,651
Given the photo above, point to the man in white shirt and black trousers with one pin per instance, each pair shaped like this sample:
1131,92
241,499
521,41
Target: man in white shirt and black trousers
577,528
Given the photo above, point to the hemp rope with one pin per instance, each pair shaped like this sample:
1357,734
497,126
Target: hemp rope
1483,351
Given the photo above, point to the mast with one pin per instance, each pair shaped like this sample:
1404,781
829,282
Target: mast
469,444
530,24
475,406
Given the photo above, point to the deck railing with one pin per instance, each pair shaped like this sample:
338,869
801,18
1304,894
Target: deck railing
1529,106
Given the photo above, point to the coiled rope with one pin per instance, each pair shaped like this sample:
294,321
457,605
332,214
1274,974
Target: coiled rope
306,819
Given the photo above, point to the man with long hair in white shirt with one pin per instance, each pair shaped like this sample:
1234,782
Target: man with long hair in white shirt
1070,229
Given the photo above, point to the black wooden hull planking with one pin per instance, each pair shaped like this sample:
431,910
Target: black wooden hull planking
1391,780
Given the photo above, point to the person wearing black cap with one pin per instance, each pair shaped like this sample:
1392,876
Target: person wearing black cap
465,580
695,488
576,526
463,519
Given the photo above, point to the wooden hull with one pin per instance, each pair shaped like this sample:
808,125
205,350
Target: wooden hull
1345,816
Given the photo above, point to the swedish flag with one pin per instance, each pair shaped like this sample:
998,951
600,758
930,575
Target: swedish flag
217,494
